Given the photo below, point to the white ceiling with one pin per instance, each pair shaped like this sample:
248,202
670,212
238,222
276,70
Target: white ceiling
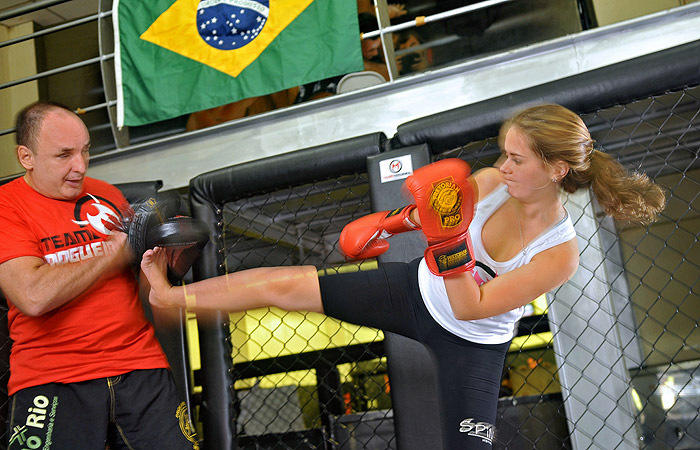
60,13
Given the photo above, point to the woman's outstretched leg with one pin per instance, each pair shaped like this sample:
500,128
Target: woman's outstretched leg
292,288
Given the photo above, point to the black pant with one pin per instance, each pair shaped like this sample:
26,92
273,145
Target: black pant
467,374
135,410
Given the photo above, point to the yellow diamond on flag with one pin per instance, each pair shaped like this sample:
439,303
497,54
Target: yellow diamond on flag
227,35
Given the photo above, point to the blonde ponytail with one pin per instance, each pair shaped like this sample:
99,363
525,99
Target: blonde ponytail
625,195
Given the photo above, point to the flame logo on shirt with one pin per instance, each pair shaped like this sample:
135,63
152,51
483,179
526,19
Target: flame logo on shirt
104,221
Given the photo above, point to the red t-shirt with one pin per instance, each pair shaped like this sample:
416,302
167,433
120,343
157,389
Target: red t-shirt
101,333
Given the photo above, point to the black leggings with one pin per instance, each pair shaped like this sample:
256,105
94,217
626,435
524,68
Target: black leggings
467,374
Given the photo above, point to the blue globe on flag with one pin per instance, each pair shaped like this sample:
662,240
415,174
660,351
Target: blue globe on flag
231,24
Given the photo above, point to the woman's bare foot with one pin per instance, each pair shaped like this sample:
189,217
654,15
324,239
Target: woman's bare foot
155,267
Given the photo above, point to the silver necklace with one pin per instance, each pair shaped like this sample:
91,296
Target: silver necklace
522,242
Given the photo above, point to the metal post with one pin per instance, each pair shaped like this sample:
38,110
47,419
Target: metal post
588,345
413,391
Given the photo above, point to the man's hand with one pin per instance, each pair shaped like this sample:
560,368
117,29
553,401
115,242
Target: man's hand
117,251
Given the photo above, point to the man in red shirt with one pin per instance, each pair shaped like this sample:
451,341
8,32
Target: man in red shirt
86,368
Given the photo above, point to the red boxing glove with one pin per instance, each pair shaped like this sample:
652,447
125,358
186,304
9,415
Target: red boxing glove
366,237
445,197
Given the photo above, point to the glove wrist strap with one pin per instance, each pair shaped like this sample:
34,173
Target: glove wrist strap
451,256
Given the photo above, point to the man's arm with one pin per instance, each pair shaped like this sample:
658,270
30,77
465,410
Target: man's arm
36,287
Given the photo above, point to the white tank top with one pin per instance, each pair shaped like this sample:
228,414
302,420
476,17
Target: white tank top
497,329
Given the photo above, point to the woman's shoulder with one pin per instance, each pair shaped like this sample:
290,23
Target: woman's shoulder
487,180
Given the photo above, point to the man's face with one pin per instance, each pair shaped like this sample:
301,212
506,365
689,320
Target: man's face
370,48
57,165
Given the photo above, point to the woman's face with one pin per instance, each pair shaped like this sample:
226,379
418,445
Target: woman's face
523,171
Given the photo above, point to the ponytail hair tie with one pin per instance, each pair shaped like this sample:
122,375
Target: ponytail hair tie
591,153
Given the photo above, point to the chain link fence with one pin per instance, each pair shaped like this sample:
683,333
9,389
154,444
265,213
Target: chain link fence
618,361
303,380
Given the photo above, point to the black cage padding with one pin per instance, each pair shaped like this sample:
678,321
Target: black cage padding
634,79
208,193
288,169
139,190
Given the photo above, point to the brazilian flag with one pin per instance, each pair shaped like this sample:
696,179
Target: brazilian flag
174,57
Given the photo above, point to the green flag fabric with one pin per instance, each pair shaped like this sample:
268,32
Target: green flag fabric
174,57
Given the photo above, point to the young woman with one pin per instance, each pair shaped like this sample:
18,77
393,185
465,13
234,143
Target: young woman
523,245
